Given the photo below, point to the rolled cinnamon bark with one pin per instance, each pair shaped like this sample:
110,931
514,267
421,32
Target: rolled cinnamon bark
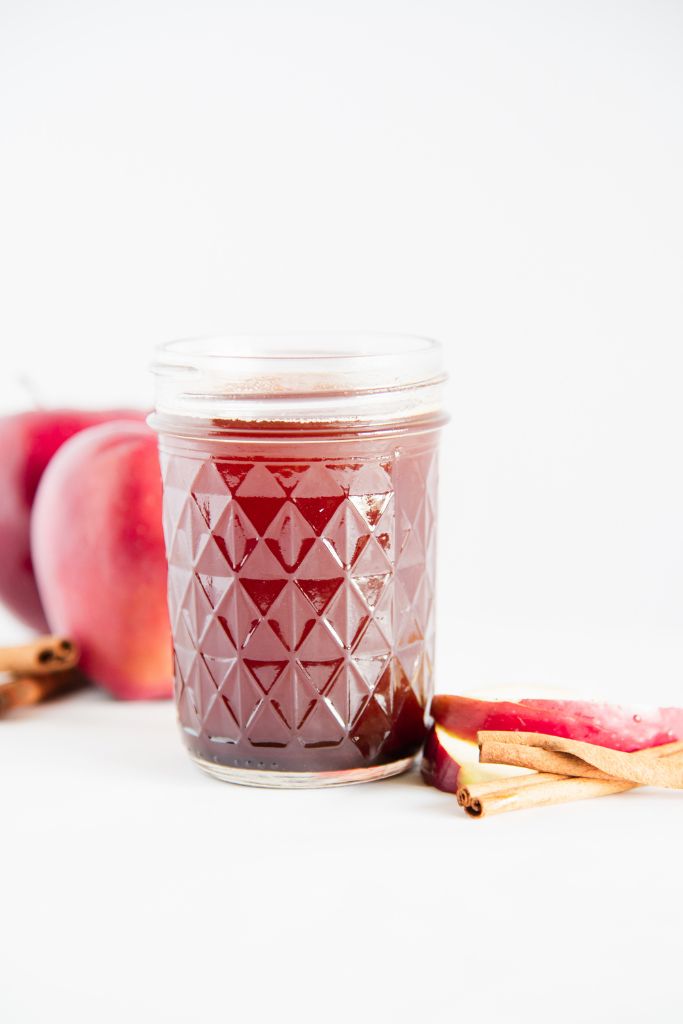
523,756
467,794
43,656
654,766
543,794
26,690
572,778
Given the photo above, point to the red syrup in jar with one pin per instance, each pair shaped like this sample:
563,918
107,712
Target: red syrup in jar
301,592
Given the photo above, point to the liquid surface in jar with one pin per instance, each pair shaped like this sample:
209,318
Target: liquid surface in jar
301,593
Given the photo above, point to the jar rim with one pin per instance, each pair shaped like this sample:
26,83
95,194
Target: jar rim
305,368
280,345
309,352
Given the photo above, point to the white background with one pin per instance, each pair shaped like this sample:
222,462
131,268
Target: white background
505,177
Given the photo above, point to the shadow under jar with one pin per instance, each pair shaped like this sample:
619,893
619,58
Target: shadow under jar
300,479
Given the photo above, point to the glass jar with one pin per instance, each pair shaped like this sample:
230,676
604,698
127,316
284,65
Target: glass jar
300,477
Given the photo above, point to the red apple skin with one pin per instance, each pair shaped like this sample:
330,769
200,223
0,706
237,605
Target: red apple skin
98,552
438,767
28,440
611,725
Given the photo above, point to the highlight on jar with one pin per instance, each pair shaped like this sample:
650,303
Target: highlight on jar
299,510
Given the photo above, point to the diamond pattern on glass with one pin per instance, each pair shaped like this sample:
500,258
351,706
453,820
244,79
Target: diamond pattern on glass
301,595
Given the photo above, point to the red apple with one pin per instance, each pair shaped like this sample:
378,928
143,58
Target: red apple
611,725
28,441
98,552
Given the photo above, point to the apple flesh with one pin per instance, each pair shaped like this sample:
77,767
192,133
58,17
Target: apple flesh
98,552
449,762
611,725
28,441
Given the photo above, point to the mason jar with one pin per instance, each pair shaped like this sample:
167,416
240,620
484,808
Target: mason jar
300,484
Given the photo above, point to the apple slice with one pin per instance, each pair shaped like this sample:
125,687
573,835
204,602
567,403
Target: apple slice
620,727
449,762
439,768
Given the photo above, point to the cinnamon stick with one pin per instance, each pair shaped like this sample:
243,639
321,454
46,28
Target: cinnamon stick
467,794
542,794
544,788
43,656
654,766
26,690
520,755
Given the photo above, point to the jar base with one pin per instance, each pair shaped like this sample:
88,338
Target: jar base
302,780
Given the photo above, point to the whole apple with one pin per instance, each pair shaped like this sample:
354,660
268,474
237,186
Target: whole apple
98,552
28,441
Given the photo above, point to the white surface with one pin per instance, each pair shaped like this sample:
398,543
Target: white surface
137,889
505,177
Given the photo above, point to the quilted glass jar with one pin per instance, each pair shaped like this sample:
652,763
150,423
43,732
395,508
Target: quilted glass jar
300,478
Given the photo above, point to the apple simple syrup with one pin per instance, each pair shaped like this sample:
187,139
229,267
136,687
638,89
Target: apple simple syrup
301,592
